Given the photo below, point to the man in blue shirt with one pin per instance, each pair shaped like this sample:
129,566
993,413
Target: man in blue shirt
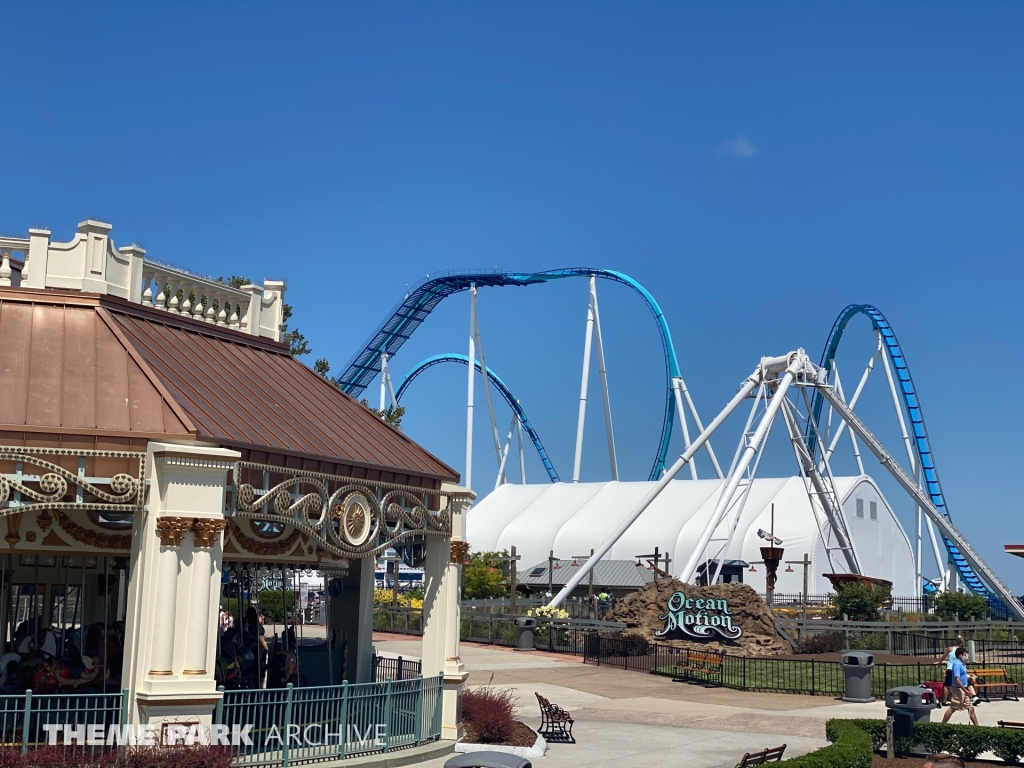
960,700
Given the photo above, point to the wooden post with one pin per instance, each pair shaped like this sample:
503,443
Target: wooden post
512,578
806,562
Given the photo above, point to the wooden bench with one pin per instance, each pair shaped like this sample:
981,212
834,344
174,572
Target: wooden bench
555,722
701,667
773,755
994,680
1010,724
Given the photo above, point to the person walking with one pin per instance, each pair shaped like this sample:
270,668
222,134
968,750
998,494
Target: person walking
948,658
960,699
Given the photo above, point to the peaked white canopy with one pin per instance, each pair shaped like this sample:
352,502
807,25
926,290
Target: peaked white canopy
572,518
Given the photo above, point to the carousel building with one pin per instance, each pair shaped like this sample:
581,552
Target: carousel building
159,446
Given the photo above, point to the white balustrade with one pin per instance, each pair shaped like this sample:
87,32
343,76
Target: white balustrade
89,262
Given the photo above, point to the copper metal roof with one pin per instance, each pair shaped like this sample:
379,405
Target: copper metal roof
76,361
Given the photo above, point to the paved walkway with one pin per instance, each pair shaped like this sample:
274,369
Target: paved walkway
633,718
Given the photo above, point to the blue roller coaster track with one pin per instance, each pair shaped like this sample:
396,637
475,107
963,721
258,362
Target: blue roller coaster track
430,362
912,408
422,298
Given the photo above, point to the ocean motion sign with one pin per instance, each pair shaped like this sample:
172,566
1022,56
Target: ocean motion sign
698,617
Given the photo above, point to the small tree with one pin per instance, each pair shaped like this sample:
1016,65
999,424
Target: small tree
952,605
859,602
484,577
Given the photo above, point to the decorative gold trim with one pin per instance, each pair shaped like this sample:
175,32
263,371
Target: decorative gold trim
44,521
207,530
13,524
459,551
91,537
194,672
160,672
172,529
265,548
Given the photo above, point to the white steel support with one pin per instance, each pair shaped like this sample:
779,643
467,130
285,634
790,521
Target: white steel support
856,396
741,466
747,387
522,455
487,388
910,485
700,427
383,379
919,577
584,383
469,387
504,452
824,494
853,440
682,422
603,376
940,561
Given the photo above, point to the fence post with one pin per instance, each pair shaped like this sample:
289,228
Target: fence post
373,667
124,706
399,673
744,671
27,719
344,718
814,688
218,716
287,722
419,709
387,715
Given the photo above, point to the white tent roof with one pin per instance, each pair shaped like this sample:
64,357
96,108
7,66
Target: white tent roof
571,518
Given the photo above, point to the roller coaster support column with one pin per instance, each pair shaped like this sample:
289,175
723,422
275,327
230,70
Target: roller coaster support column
747,387
469,388
793,363
940,562
584,383
677,389
603,374
680,386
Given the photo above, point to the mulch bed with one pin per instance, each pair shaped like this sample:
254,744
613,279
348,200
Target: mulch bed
918,762
522,736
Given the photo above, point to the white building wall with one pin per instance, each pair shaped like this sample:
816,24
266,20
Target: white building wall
573,518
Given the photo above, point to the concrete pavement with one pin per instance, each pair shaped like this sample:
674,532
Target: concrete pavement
626,718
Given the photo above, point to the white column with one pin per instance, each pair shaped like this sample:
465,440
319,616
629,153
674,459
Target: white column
442,616
583,393
172,604
468,479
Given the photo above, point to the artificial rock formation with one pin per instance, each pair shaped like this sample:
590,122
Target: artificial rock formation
640,613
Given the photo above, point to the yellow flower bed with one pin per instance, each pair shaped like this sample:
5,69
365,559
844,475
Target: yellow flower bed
385,597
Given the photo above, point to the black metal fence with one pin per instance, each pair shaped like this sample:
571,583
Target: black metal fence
395,668
760,674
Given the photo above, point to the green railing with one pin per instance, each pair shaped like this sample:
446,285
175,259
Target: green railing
305,725
23,717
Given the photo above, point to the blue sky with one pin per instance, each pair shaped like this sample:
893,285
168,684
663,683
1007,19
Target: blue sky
756,166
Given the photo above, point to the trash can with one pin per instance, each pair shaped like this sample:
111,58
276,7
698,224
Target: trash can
907,705
916,701
857,670
524,633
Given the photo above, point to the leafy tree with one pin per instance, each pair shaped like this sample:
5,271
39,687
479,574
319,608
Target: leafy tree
322,367
484,577
392,414
859,602
950,605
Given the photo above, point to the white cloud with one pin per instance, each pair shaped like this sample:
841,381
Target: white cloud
740,147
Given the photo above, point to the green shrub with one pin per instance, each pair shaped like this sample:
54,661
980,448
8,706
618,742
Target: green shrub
950,606
858,602
826,642
964,741
851,748
270,602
